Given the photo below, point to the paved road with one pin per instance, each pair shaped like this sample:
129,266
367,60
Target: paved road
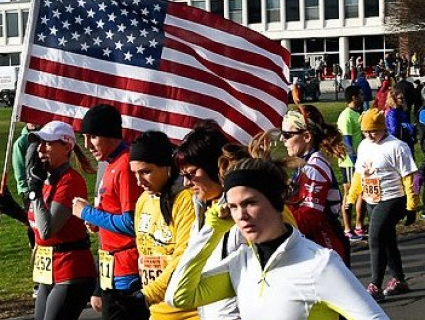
409,306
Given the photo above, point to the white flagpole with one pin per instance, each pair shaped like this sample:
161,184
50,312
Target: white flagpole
19,93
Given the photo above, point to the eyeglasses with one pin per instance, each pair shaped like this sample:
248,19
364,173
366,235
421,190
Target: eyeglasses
289,134
189,175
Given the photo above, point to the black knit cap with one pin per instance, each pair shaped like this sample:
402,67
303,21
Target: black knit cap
152,147
102,120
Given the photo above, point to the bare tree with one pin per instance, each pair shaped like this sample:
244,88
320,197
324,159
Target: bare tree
405,21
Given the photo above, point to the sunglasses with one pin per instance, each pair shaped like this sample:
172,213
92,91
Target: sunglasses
189,175
289,134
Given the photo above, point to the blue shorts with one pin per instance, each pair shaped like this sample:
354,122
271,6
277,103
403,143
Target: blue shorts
347,174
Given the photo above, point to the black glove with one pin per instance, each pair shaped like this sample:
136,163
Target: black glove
145,314
410,217
11,208
348,207
37,174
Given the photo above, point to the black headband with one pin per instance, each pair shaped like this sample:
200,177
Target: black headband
264,182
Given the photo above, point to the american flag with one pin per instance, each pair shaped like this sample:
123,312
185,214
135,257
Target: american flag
164,65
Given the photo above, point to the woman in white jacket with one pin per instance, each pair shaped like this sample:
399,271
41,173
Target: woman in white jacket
278,275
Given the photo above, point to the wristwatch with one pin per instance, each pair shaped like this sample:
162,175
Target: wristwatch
32,195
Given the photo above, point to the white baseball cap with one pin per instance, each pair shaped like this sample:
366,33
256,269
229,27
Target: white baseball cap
55,130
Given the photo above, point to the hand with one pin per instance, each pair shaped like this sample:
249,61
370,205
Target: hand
410,217
96,303
78,205
218,217
91,228
10,207
37,174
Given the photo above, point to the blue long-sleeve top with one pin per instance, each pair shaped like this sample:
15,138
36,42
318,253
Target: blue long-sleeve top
393,119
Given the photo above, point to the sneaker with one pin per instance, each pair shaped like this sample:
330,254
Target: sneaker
352,236
359,231
395,286
375,292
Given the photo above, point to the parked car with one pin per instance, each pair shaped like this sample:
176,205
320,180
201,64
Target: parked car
308,83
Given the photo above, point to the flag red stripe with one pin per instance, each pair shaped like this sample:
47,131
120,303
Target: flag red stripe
216,22
226,72
237,54
29,114
87,101
154,89
255,103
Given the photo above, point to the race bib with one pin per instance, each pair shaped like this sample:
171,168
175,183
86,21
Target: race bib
43,265
106,269
371,190
151,267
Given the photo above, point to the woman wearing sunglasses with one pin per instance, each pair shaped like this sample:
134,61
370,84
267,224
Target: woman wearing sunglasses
315,199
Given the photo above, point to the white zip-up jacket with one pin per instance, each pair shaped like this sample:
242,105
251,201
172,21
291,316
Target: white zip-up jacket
300,281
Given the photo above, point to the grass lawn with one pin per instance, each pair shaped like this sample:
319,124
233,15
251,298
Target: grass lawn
15,280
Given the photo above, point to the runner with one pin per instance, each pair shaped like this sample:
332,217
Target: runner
63,266
118,193
384,176
314,199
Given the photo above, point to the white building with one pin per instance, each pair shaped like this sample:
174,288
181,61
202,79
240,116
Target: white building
334,29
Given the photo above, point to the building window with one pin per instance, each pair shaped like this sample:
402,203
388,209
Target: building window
1,25
273,10
297,46
198,4
292,10
15,59
315,45
351,9
24,21
332,9
254,11
311,9
371,8
217,7
12,24
235,10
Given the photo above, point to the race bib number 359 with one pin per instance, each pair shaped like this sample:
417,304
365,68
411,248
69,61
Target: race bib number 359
43,265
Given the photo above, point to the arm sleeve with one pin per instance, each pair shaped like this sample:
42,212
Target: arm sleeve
351,300
393,126
118,223
348,141
189,287
355,188
18,163
412,197
50,221
183,218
